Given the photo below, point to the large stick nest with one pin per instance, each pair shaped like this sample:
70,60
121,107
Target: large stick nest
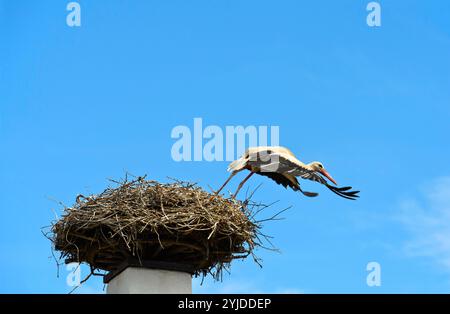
175,222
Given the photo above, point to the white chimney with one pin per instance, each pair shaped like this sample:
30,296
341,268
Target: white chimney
148,280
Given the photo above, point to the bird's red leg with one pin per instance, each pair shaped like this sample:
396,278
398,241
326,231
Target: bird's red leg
228,180
242,183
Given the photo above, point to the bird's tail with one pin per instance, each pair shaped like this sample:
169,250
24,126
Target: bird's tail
237,165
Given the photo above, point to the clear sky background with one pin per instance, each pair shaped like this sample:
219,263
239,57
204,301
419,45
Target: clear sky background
80,105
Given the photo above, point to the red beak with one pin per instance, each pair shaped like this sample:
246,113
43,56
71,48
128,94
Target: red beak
326,174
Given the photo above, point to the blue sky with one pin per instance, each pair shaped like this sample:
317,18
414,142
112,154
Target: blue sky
80,105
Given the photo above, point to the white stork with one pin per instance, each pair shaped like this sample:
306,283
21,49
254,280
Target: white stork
281,165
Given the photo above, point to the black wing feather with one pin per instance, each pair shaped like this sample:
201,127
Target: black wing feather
342,192
281,179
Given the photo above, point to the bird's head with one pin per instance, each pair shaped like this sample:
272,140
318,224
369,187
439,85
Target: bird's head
318,167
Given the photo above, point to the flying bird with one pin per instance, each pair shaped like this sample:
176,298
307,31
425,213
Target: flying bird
280,164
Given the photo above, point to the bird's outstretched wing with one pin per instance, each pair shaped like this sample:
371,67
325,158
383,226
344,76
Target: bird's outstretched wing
341,191
274,162
287,180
